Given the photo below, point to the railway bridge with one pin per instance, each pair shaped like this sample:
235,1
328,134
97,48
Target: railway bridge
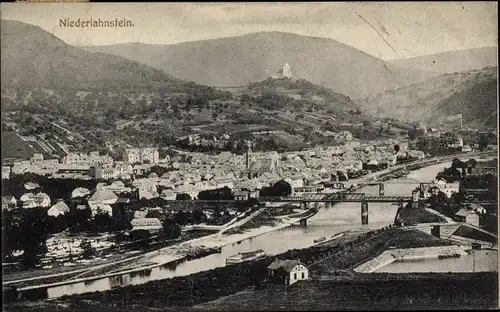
343,197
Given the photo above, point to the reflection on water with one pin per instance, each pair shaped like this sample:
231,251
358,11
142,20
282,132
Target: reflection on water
327,222
479,261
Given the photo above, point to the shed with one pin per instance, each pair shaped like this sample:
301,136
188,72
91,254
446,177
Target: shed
288,271
469,216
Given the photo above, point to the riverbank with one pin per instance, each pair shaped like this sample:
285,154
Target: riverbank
390,256
186,291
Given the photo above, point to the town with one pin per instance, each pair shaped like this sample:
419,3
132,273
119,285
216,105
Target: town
144,197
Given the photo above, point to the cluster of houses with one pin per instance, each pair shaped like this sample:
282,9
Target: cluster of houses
316,162
191,173
88,166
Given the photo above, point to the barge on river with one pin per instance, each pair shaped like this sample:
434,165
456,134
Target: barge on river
245,256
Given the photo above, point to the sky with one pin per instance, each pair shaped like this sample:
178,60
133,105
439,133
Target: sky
388,30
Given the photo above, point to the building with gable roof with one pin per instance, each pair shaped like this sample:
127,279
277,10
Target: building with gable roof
60,208
288,271
152,225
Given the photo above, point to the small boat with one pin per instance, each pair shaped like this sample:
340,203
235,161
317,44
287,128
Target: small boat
245,256
46,267
448,256
319,240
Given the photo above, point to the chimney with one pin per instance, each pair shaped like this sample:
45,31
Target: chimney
246,158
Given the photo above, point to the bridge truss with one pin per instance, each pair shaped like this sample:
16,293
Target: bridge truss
337,197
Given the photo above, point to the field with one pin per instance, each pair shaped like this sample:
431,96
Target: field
450,292
225,283
469,232
412,216
14,147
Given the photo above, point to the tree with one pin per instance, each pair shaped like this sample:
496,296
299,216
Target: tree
199,216
473,162
396,148
341,176
483,142
457,163
34,233
88,250
281,189
183,196
412,133
182,217
265,192
171,229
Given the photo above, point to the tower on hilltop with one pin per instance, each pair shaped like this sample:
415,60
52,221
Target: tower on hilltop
287,72
284,72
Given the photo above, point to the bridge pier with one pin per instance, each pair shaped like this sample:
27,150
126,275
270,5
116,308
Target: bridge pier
303,222
464,172
381,189
364,212
415,198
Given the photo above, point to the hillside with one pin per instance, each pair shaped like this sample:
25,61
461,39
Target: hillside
452,61
60,98
472,94
240,60
304,91
32,57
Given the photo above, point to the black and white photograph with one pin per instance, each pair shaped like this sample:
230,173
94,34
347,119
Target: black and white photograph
249,156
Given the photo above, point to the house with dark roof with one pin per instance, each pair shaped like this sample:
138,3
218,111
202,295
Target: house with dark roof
287,271
468,215
261,166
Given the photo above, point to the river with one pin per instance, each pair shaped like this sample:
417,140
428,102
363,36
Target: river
327,222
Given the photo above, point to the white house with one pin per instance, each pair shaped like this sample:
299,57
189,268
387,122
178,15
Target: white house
137,155
466,148
100,209
168,195
31,186
8,202
6,170
241,195
153,225
60,208
100,201
26,196
41,200
289,271
80,192
448,188
189,189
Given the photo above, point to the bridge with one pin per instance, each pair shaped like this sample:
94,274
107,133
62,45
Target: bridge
339,197
381,185
330,198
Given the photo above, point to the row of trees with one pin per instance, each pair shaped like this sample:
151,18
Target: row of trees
457,171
